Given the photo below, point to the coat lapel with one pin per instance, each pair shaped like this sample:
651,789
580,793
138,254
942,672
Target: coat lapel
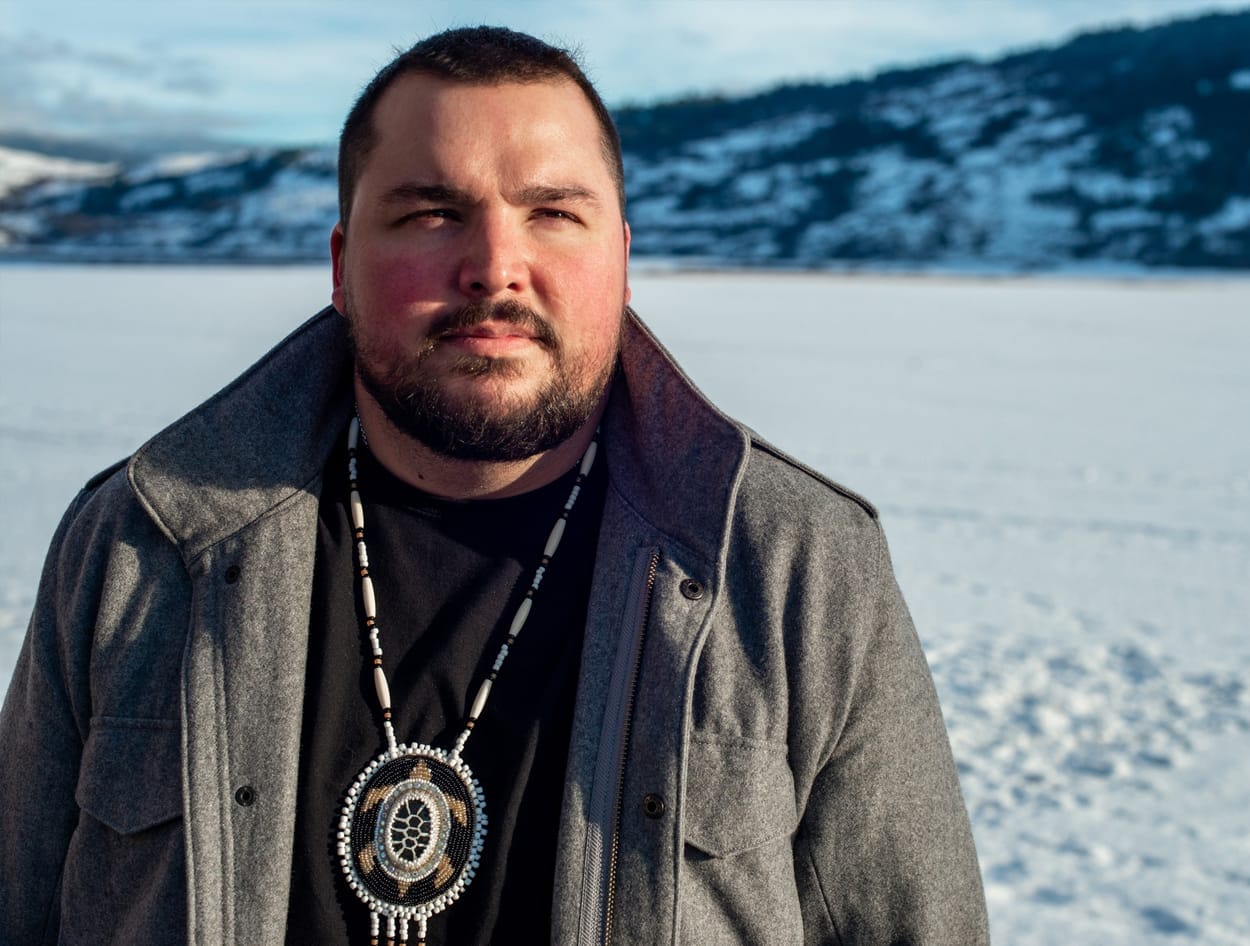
235,486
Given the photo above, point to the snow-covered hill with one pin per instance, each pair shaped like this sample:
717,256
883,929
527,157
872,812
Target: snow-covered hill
1120,148
19,169
263,204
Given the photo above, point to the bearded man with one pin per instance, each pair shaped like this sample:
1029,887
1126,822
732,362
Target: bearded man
463,617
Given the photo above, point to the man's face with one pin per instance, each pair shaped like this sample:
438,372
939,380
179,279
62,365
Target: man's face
484,266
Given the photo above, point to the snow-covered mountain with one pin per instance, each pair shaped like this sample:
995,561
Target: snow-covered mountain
261,204
19,169
1124,147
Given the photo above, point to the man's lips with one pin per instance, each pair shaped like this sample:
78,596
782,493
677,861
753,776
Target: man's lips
488,339
493,327
488,331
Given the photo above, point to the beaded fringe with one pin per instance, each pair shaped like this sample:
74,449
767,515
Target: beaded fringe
396,931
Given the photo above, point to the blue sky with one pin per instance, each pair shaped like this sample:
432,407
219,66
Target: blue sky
283,71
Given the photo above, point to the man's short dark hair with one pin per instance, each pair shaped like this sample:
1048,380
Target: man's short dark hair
479,55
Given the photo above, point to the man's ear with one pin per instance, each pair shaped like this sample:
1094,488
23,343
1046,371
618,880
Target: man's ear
628,292
338,244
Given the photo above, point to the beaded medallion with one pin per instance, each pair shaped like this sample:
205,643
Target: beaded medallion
411,831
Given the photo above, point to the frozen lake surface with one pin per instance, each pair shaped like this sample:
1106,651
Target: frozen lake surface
1063,470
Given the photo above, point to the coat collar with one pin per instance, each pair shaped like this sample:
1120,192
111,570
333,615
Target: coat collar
672,456
252,445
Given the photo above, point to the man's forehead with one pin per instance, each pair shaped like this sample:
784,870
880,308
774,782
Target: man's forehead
417,93
432,131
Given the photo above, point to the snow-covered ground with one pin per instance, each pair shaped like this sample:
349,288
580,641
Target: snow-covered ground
1063,469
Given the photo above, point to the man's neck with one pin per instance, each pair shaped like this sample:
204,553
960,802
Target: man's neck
415,464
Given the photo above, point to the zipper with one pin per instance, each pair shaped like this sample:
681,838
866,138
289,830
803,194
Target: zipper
615,846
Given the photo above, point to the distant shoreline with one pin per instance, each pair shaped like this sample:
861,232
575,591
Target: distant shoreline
668,266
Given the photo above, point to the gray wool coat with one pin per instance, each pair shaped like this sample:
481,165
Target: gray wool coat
757,753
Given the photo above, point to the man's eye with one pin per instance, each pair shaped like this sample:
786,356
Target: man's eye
552,213
427,215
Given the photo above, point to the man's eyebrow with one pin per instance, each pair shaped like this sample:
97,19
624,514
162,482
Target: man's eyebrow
411,193
414,193
555,194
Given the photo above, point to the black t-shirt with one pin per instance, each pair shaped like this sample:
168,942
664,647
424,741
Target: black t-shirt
448,577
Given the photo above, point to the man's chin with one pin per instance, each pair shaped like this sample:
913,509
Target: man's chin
470,373
500,389
484,419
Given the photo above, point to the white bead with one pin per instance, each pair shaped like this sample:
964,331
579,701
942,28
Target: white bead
358,510
553,541
479,702
500,657
538,577
366,592
518,620
353,433
384,691
362,554
572,500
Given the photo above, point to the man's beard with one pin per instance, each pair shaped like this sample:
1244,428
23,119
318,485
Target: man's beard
415,401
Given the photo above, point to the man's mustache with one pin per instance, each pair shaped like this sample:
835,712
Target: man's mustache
508,311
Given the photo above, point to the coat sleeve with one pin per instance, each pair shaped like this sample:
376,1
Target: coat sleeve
43,726
884,851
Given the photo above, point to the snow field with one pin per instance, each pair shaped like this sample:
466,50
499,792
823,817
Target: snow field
1062,468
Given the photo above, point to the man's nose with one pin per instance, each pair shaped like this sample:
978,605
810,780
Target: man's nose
494,258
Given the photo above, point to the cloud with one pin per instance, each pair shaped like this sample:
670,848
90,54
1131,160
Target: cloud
288,70
80,110
652,49
49,85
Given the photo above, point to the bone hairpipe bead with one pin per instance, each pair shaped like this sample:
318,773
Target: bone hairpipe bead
358,511
518,620
589,459
553,540
479,702
384,690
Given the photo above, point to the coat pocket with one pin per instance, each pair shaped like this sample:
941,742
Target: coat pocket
131,775
124,879
738,882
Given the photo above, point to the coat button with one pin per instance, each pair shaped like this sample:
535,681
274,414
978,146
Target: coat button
245,795
232,574
692,589
653,806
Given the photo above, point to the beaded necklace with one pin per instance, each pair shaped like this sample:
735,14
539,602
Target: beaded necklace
412,826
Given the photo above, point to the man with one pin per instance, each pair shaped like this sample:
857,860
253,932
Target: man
276,687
